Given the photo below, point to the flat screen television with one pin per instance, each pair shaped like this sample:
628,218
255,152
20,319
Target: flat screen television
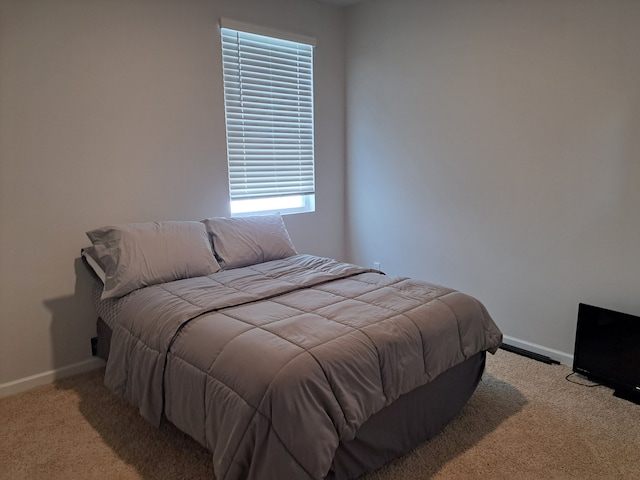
607,350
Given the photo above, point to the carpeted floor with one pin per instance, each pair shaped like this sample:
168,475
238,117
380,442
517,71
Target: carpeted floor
525,421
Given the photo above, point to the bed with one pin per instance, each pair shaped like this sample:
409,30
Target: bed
283,365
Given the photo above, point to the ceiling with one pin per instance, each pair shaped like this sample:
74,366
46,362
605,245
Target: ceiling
341,3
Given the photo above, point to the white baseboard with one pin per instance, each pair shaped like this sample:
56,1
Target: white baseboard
562,357
23,384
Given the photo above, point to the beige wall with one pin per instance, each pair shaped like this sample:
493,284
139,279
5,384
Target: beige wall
112,112
495,147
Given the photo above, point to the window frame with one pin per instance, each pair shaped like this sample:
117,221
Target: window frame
282,159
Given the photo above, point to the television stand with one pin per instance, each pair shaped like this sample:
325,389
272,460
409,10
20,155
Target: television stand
628,395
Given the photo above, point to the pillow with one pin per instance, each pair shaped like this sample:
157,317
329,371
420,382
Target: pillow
94,262
242,241
140,254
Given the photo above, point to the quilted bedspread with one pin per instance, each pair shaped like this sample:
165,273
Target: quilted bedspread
271,366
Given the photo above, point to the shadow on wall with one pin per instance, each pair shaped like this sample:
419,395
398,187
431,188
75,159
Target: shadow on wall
73,321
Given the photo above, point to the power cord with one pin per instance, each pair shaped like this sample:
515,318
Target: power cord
567,378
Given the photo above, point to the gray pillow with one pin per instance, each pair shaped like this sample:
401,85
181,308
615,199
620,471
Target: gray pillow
94,262
136,255
242,241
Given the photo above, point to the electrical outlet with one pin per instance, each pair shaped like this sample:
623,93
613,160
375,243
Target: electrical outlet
376,265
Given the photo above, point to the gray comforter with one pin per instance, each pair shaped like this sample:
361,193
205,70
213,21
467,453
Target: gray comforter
271,366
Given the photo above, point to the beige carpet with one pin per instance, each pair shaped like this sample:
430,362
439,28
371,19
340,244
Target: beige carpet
525,421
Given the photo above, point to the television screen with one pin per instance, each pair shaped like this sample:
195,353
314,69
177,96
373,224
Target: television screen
607,348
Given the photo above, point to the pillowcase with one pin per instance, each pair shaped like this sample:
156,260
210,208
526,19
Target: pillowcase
94,262
141,254
242,241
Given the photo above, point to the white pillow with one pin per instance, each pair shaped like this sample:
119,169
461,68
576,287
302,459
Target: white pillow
242,241
141,254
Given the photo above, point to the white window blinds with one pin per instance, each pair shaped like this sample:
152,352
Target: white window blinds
268,90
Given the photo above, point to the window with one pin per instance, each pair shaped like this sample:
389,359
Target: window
268,93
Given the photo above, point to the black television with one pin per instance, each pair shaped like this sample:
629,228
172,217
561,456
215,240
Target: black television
607,350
